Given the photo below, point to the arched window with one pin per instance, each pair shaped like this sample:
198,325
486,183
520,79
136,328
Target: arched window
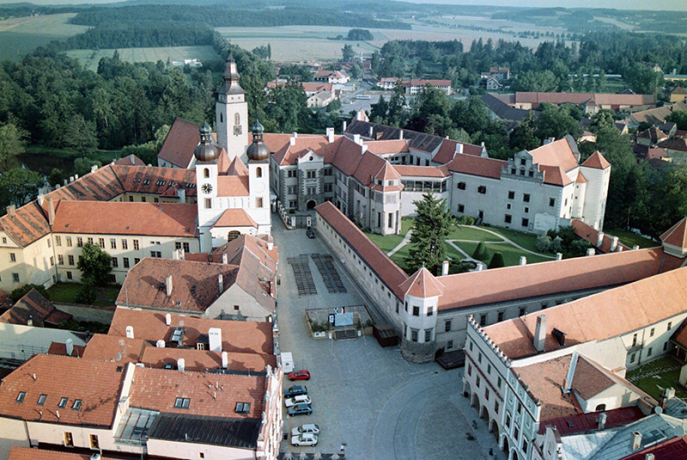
233,235
221,118
237,119
206,172
600,407
258,172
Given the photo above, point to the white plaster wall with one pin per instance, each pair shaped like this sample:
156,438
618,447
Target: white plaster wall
22,342
12,434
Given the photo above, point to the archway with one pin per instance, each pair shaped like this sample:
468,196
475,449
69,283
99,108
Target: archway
475,401
504,446
466,388
311,204
233,235
484,413
494,429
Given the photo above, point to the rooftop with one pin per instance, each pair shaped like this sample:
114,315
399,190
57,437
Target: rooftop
218,431
27,453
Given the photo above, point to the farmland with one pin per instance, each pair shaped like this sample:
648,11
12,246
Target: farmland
19,36
90,58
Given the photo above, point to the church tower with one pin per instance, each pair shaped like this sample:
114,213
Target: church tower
259,180
206,153
231,113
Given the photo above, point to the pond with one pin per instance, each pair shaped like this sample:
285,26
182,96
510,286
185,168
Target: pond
45,162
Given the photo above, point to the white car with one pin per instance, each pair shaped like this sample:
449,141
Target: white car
305,439
300,399
307,428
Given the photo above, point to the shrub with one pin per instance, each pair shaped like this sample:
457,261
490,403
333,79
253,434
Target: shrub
557,244
497,261
465,220
543,243
481,252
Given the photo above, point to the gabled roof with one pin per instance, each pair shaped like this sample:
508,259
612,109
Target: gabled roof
237,168
674,143
581,422
96,384
422,171
232,186
237,217
422,284
181,141
672,449
596,161
204,360
505,111
659,114
558,153
555,175
388,146
110,348
286,154
477,166
676,235
130,160
33,306
580,98
679,90
591,235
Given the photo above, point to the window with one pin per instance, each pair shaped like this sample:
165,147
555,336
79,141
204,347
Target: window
237,119
71,260
469,369
489,369
508,218
115,263
131,199
390,220
236,308
482,189
430,311
177,245
414,334
651,332
208,203
52,261
21,396
187,247
470,345
500,317
63,403
258,172
527,209
77,404
206,172
58,241
125,262
522,311
405,329
670,326
511,195
525,222
449,345
41,399
523,162
328,187
69,275
632,357
498,383
68,440
136,260
242,408
125,244
328,171
496,407
486,393
60,259
182,403
258,202
461,208
526,197
461,185
507,420
156,254
483,320
15,277
518,410
136,245
79,242
101,242
516,432
478,380
69,241
416,311
648,352
665,346
600,407
13,257
525,445
428,335
479,358
552,202
447,325
634,340
311,174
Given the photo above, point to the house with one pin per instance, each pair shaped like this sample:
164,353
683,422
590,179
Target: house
34,310
679,94
504,111
651,137
319,100
500,73
493,84
676,148
388,84
593,102
655,116
415,85
332,76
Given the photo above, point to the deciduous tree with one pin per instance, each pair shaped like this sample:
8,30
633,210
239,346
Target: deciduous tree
95,264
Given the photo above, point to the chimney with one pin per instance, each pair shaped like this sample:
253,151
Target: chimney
602,421
292,141
636,440
590,252
343,128
129,332
176,255
168,319
76,177
225,360
400,134
225,258
270,244
168,285
459,148
540,333
330,135
356,139
69,345
94,168
559,256
181,364
549,140
41,199
71,179
181,193
372,131
444,268
215,338
599,239
480,266
523,260
614,243
649,456
51,211
160,343
12,210
220,280
635,247
30,321
295,135
619,249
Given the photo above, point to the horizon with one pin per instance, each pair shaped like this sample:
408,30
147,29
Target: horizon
634,5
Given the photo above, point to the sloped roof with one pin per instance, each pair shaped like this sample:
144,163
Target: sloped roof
505,111
348,156
130,160
110,348
286,154
237,217
580,179
558,153
204,360
477,166
672,449
537,98
388,146
674,143
676,235
447,151
181,141
422,171
554,175
28,453
658,114
581,422
232,186
596,161
590,234
422,284
31,306
237,168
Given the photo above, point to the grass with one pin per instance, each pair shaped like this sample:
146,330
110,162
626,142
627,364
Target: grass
66,293
389,242
631,238
658,375
20,36
461,232
90,58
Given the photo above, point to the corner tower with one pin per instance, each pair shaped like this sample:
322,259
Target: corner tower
231,113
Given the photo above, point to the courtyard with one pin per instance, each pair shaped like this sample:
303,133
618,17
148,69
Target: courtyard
655,376
365,396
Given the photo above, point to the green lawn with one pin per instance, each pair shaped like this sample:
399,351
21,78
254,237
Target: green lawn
389,242
461,232
658,375
525,240
20,36
66,293
90,58
631,238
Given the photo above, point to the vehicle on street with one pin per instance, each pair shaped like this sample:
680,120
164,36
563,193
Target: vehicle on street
310,234
306,428
299,375
295,391
299,409
307,439
300,399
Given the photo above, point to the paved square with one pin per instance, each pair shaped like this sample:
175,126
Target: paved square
364,395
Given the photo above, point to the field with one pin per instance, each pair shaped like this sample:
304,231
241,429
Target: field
19,36
90,58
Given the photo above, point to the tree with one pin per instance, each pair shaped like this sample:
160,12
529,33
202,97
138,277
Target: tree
543,243
82,166
22,291
348,53
80,135
680,118
11,144
481,252
375,62
545,81
431,227
523,137
95,264
20,185
556,122
56,177
496,261
379,110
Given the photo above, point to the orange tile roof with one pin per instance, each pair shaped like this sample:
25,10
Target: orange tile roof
596,161
232,186
537,98
181,141
546,278
390,273
581,179
590,234
130,160
447,151
557,153
387,146
153,180
677,234
213,395
422,171
97,384
57,348
579,423
239,247
103,347
195,285
348,157
615,312
121,218
31,306
555,175
237,168
422,284
202,361
477,166
286,154
237,336
26,226
27,453
237,217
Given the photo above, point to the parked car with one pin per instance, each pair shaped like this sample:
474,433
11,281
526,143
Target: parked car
307,439
310,234
300,399
295,391
306,428
299,375
299,409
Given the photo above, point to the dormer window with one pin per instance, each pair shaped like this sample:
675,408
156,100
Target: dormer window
21,396
523,161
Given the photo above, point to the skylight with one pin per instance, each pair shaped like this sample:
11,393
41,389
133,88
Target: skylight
182,403
41,399
242,408
63,403
76,405
21,396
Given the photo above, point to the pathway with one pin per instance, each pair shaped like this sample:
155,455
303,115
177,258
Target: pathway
512,242
406,240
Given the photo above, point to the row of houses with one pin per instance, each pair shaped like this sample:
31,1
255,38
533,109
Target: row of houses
414,86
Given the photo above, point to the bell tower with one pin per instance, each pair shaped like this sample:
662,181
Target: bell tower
231,113
206,153
259,180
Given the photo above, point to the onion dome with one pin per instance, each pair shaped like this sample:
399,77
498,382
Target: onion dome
258,151
206,150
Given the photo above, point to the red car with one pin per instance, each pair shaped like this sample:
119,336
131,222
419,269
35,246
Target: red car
299,375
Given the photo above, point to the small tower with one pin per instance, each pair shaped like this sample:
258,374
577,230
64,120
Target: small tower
206,153
259,179
231,113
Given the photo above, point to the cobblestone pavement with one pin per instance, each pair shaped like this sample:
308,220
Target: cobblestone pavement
366,396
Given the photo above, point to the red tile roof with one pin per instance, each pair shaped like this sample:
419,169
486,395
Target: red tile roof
447,151
580,98
237,168
232,186
581,179
130,160
477,166
32,306
388,146
616,312
422,171
202,361
97,384
672,449
153,180
422,284
555,175
580,423
57,348
557,153
237,336
235,218
121,218
676,235
181,141
111,348
390,273
590,234
596,161
26,453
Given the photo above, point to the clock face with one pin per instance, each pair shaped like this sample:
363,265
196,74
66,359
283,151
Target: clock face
207,188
